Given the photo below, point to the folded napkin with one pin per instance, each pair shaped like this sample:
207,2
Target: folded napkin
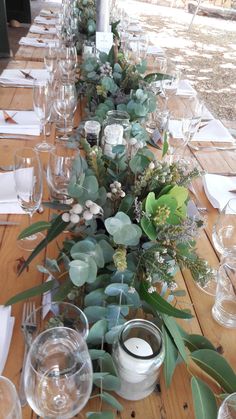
6,329
214,130
46,12
217,189
42,29
27,123
36,42
185,89
45,21
8,199
155,50
14,77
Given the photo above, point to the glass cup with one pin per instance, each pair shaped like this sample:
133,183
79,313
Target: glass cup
224,309
224,230
9,402
58,373
56,314
59,172
228,408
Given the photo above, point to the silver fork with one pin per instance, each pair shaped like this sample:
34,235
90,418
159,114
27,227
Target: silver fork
28,326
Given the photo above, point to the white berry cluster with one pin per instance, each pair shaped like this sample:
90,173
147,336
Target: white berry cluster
116,191
106,69
79,213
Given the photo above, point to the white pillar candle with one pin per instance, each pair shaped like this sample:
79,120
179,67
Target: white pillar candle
113,135
133,369
103,15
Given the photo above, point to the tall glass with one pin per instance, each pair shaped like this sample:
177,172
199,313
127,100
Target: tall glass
59,172
29,189
58,374
65,103
51,59
42,100
9,402
68,60
224,230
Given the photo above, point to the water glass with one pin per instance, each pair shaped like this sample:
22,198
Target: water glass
58,373
9,402
68,60
224,230
224,309
228,408
59,172
51,59
65,103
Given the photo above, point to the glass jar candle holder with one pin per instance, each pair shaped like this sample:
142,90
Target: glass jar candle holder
138,354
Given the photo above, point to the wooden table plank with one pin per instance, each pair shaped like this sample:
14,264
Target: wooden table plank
173,403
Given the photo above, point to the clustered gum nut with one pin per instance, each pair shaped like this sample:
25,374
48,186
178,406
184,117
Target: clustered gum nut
116,191
79,212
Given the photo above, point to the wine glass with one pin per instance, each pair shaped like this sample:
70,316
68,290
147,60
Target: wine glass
65,103
9,402
50,59
42,100
29,189
59,172
67,60
55,314
178,137
58,373
224,230
169,83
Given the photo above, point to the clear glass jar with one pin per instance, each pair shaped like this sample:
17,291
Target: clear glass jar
92,130
116,131
138,354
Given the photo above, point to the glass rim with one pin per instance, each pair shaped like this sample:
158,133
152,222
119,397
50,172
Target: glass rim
225,401
120,114
13,391
228,204
72,306
152,327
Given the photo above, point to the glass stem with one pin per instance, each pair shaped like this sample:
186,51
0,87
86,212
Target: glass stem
44,133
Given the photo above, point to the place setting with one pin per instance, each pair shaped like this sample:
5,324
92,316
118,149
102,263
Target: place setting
22,77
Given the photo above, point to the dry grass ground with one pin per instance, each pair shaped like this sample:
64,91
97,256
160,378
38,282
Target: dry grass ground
206,54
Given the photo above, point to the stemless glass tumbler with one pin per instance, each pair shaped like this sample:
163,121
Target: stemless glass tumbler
58,374
224,230
228,408
224,309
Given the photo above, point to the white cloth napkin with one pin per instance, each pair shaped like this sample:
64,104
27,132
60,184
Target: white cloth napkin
46,12
27,123
217,189
214,130
14,77
36,42
185,89
8,199
6,329
42,30
45,21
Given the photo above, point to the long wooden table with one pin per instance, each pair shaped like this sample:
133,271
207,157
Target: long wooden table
173,403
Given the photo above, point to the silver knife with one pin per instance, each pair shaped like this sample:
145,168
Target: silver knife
8,223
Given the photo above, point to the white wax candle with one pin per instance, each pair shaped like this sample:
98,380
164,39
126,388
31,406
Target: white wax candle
133,369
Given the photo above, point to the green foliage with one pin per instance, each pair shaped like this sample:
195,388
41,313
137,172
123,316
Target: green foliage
204,400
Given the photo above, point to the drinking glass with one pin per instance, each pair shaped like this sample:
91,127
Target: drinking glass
65,103
224,309
228,408
178,137
55,314
42,100
59,172
67,60
58,373
28,183
50,59
9,402
224,230
169,83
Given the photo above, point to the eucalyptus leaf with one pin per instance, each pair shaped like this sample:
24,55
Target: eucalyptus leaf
95,313
107,365
96,354
114,290
95,297
97,332
204,401
100,415
111,400
31,292
217,367
171,356
172,327
109,382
